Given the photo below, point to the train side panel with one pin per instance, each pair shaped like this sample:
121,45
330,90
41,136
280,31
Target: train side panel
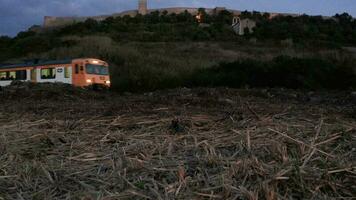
5,83
18,74
53,74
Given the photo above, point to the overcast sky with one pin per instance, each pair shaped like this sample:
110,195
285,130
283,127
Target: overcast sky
18,15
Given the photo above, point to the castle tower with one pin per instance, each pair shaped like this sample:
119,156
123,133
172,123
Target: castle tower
48,21
142,7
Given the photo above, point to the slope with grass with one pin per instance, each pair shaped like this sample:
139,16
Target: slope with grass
161,50
148,66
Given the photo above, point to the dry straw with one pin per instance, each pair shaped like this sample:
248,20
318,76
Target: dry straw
177,144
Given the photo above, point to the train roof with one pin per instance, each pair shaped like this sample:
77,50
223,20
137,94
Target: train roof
34,64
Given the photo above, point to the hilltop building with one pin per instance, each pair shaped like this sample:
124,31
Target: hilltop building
238,25
241,25
142,7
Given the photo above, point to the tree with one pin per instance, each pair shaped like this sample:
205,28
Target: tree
344,18
203,16
25,34
185,17
245,14
224,17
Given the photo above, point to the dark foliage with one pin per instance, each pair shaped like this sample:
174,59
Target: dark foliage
286,72
305,30
340,29
162,27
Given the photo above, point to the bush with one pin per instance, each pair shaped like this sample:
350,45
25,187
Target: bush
148,66
283,71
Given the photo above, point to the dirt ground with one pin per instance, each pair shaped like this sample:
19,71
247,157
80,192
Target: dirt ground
59,142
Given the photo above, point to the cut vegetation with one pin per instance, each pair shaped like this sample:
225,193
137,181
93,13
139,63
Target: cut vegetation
176,144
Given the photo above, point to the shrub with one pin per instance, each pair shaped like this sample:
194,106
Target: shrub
283,71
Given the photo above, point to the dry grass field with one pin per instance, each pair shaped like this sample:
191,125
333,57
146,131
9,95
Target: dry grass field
58,142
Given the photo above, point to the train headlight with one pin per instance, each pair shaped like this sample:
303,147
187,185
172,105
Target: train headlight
107,82
89,81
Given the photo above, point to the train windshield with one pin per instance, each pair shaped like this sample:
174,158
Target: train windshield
97,69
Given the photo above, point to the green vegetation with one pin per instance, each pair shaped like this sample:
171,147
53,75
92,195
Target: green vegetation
159,51
156,27
164,27
62,142
138,67
284,71
316,30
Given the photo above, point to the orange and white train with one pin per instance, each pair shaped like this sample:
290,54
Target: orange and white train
80,72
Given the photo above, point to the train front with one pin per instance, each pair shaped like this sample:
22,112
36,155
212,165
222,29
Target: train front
97,73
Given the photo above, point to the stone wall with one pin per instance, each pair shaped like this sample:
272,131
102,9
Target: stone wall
52,22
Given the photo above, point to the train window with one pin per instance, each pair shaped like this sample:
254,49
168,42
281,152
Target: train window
21,75
12,75
76,69
66,72
3,76
48,73
7,76
81,68
97,69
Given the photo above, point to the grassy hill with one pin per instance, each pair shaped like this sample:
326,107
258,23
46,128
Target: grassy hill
62,142
159,51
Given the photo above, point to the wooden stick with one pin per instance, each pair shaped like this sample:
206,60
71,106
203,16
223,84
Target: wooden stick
328,140
341,170
252,111
300,142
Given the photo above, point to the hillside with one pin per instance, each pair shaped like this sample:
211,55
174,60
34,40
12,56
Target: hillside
304,31
194,112
176,144
160,50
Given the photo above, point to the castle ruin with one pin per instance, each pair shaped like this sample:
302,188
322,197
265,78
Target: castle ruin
241,25
55,22
142,7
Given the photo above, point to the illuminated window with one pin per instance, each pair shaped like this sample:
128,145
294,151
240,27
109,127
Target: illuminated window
3,76
48,73
12,76
66,72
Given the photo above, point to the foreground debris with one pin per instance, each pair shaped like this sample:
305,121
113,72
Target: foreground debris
176,144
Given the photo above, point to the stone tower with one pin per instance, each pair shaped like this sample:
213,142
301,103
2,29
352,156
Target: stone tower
142,7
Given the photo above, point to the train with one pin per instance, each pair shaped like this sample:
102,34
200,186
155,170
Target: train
79,72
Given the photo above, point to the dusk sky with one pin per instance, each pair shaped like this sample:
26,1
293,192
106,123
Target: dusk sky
18,15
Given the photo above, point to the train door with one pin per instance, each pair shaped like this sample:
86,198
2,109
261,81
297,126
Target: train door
78,74
34,75
67,74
